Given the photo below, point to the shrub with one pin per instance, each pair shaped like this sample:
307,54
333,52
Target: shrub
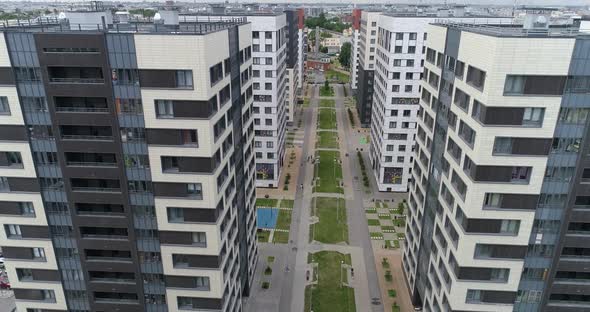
267,271
265,285
388,276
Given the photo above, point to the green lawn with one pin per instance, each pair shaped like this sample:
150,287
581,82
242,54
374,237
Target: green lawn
328,295
373,222
283,220
327,119
280,237
332,227
267,202
334,75
327,139
287,203
329,172
327,103
386,227
262,236
400,222
326,92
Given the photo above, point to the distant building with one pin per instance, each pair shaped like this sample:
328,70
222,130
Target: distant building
317,60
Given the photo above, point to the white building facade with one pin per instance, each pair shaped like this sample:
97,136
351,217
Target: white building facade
399,65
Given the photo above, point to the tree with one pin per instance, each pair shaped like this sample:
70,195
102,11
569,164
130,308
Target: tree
344,56
323,49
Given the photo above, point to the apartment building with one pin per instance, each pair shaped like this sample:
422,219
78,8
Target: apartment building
498,207
295,24
354,50
367,45
127,166
399,54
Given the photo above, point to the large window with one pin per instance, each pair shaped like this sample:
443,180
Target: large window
216,73
476,77
164,109
184,78
4,107
534,85
195,190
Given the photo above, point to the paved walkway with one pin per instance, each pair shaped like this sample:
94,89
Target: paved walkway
288,280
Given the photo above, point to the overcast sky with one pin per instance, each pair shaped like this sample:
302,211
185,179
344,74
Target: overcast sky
501,2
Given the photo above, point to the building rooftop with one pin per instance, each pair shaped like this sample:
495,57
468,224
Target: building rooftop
200,27
512,30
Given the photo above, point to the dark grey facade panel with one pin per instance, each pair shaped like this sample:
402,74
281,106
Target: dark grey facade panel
6,76
23,253
157,78
364,95
23,184
13,133
171,137
100,60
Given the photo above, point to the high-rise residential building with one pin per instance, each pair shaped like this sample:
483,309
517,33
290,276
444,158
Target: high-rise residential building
354,49
269,69
399,63
366,49
126,164
294,50
498,216
269,53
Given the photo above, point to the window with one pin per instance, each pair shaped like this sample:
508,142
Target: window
392,124
267,86
194,190
534,85
388,159
38,253
268,34
409,76
520,174
11,159
397,62
4,107
533,116
413,36
400,159
459,69
502,145
466,133
13,230
268,48
184,78
408,88
389,148
255,35
393,113
26,209
510,227
476,77
189,137
164,109
199,238
268,73
398,49
395,88
401,148
461,99
399,36
268,60
411,49
409,63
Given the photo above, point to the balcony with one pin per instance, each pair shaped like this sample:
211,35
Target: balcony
92,133
95,185
75,75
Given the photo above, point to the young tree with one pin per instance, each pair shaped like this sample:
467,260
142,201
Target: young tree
344,56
